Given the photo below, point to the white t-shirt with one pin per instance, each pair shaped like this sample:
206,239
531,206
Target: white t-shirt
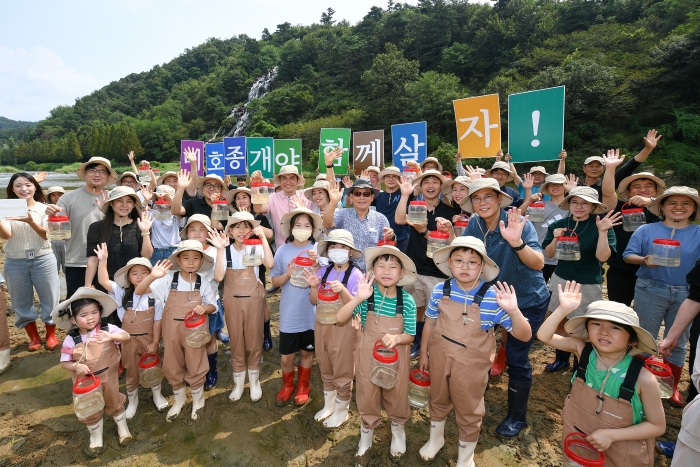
69,343
140,302
209,275
160,288
165,233
237,259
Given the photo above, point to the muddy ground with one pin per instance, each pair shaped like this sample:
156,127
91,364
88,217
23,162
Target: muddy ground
38,426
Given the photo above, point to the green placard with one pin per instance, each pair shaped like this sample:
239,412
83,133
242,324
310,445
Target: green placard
332,138
536,125
260,156
287,152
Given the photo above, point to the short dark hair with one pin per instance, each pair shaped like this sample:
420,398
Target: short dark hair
633,334
78,305
241,178
293,220
466,250
387,257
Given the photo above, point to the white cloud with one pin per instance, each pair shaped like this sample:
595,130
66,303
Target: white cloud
35,80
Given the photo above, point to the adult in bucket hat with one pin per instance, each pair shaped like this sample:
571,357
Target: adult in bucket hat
209,188
387,201
503,174
538,173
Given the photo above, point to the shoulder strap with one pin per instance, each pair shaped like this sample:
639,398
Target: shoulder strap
583,361
229,260
327,273
198,282
151,302
399,300
480,293
370,303
346,277
627,387
176,278
447,288
75,335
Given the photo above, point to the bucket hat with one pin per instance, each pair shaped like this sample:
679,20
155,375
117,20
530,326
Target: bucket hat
166,175
241,216
190,245
322,184
392,170
231,196
433,160
61,315
121,277
446,187
441,256
202,180
484,184
196,218
538,168
343,237
624,185
428,173
121,192
286,170
594,159
287,218
409,268
692,193
362,183
127,174
98,160
552,179
501,166
588,194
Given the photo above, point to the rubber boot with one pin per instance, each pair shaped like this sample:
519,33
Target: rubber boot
415,347
51,341
518,395
254,383
398,441
96,445
180,399
213,373
561,362
158,399
34,339
197,401
302,395
4,360
666,448
267,336
366,438
499,364
222,336
328,406
465,455
340,414
287,389
436,441
125,437
676,399
238,385
133,403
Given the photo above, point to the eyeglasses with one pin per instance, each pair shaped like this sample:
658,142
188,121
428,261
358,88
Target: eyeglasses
212,186
471,265
485,199
362,194
128,183
580,204
97,172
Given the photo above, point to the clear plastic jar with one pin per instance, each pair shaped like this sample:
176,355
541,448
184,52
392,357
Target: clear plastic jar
536,212
568,247
460,225
580,453
219,210
196,330
410,174
300,265
150,371
252,252
437,240
87,396
327,307
663,374
665,252
59,228
162,209
632,218
260,192
384,366
418,212
418,388
144,173
156,173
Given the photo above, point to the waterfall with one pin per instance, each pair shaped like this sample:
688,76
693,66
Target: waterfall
260,87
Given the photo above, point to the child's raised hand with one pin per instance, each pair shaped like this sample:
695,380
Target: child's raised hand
183,179
161,268
365,289
601,439
570,296
218,240
199,309
101,337
311,278
81,369
391,340
505,297
101,252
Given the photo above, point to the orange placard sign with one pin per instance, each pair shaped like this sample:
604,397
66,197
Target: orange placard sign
478,126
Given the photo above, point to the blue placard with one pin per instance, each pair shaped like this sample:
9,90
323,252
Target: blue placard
409,141
215,159
234,155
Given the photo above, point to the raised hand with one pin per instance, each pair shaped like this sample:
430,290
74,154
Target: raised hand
365,289
161,268
458,156
191,156
516,224
145,221
297,202
101,252
40,177
570,297
131,156
227,180
183,179
102,200
347,181
473,172
570,183
610,220
256,177
651,140
499,155
364,174
528,181
562,155
505,297
218,240
508,158
147,193
334,192
613,159
406,187
311,278
330,155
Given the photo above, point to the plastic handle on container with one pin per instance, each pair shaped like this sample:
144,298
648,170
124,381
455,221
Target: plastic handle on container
568,238
657,367
192,319
95,384
381,358
303,261
420,377
145,363
599,462
327,294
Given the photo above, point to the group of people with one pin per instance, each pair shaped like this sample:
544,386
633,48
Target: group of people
427,267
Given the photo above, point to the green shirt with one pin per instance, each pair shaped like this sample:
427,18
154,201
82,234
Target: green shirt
385,306
587,270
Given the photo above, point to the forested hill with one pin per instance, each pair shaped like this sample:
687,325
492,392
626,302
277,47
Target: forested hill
6,123
628,65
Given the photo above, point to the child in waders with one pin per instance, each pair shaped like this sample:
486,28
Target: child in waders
459,342
185,292
614,400
336,343
387,314
91,347
244,301
140,316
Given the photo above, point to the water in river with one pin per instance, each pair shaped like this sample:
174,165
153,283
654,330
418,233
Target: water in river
67,181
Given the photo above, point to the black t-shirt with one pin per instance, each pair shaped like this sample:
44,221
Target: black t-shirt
198,205
121,248
417,244
693,279
623,238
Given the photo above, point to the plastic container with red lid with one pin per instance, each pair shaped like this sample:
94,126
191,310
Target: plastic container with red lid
418,388
196,330
162,209
536,212
384,366
144,173
252,251
665,252
460,225
663,374
328,305
580,453
410,173
88,399
150,372
436,240
261,191
299,266
632,218
219,209
568,247
59,227
418,212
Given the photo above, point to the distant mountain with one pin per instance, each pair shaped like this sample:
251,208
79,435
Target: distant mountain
6,123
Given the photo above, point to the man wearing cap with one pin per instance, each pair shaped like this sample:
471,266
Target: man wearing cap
500,171
209,188
83,209
373,174
387,201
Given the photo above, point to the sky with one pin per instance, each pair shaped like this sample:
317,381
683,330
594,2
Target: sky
54,51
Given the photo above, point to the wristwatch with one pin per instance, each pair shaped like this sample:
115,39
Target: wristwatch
329,166
423,233
518,248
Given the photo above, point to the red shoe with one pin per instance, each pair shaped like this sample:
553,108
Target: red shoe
287,389
51,341
34,339
499,364
676,399
302,395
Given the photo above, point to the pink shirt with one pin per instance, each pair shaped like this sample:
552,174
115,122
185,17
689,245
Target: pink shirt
278,206
69,343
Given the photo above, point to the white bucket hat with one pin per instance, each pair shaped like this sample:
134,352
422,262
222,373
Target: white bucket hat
128,174
586,193
319,184
286,170
98,160
287,218
433,160
121,277
196,218
409,268
538,168
373,168
121,192
502,166
166,175
342,236
483,184
441,257
202,180
624,185
166,189
231,196
692,193
554,178
446,187
61,315
190,245
321,176
54,189
392,170
241,216
594,159
428,173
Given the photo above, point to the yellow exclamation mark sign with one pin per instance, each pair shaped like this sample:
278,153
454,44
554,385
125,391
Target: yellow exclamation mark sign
535,127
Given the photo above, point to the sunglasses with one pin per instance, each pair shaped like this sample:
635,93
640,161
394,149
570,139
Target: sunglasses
362,194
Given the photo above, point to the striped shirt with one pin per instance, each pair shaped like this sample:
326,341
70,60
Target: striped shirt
491,313
385,306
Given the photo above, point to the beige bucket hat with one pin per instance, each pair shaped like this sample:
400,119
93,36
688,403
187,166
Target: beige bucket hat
409,268
484,184
196,218
212,177
373,168
321,176
190,245
441,257
166,175
241,216
319,184
286,170
54,189
538,168
98,160
692,193
121,277
287,218
446,187
502,166
165,190
61,315
121,192
586,193
231,196
392,170
127,174
552,179
428,173
594,159
342,236
624,185
433,160
617,313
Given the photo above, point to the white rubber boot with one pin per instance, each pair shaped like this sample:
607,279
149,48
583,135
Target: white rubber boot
158,399
180,399
465,455
197,401
436,441
254,383
328,405
4,360
238,386
366,438
133,403
340,414
125,437
398,441
96,446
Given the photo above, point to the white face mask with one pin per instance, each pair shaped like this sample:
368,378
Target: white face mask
338,255
301,235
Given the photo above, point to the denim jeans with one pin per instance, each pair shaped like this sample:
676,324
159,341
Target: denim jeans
160,254
656,303
25,275
517,351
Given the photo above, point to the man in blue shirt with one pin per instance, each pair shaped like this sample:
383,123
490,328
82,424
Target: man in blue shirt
386,202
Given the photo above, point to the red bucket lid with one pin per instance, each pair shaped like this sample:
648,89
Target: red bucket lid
420,377
220,201
148,360
301,261
578,440
86,384
192,320
162,201
537,205
573,237
259,184
252,241
386,243
418,203
439,234
631,210
58,219
657,367
383,354
666,241
327,295
462,223
409,169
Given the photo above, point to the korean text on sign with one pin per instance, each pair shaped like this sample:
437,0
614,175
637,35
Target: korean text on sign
260,156
215,159
332,138
368,149
409,142
234,155
198,148
478,125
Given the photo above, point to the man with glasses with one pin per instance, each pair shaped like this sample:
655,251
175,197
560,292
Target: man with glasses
209,187
387,201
